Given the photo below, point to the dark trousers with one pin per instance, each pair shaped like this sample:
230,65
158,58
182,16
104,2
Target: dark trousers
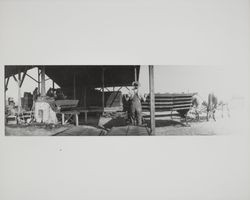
136,113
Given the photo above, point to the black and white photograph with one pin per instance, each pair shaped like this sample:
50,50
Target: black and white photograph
124,99
119,100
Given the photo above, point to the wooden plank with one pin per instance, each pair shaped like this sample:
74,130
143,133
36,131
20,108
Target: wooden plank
182,102
158,103
66,103
70,112
175,95
184,108
152,99
43,92
183,105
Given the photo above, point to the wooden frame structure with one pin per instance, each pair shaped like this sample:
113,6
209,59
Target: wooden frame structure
41,88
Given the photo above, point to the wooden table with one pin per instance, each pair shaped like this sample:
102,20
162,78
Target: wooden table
68,115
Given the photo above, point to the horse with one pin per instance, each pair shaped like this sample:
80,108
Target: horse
214,104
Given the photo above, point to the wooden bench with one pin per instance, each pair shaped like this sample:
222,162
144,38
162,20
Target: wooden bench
180,103
67,110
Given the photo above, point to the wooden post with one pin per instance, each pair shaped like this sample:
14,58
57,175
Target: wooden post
135,74
85,97
103,97
6,83
74,85
77,120
38,80
19,92
23,77
152,99
53,85
43,92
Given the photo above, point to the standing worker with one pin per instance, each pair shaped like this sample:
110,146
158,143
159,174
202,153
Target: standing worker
135,106
35,96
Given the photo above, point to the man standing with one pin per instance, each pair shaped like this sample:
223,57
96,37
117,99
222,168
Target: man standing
135,106
35,96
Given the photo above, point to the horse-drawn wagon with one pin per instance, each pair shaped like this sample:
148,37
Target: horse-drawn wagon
174,103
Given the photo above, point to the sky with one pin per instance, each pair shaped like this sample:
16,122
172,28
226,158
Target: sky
224,82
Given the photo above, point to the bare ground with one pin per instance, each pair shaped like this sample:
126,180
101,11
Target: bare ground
237,123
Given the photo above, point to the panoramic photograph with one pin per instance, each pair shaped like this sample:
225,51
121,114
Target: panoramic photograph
123,100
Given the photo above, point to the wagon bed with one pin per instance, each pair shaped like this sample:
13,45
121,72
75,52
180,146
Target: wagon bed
181,103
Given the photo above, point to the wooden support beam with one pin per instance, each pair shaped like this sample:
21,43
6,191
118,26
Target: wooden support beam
43,92
135,74
19,92
53,85
77,120
6,83
23,77
103,97
119,89
38,81
31,77
15,78
74,85
63,119
152,99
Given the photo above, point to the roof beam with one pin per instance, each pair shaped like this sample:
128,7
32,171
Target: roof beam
15,78
22,79
6,83
31,77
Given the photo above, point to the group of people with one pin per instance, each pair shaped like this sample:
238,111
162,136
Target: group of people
132,104
55,93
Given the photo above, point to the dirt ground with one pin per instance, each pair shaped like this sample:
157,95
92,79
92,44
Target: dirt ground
237,123
34,130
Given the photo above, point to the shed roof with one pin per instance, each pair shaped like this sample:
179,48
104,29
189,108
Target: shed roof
86,75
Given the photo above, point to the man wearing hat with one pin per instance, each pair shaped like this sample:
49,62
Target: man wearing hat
135,106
